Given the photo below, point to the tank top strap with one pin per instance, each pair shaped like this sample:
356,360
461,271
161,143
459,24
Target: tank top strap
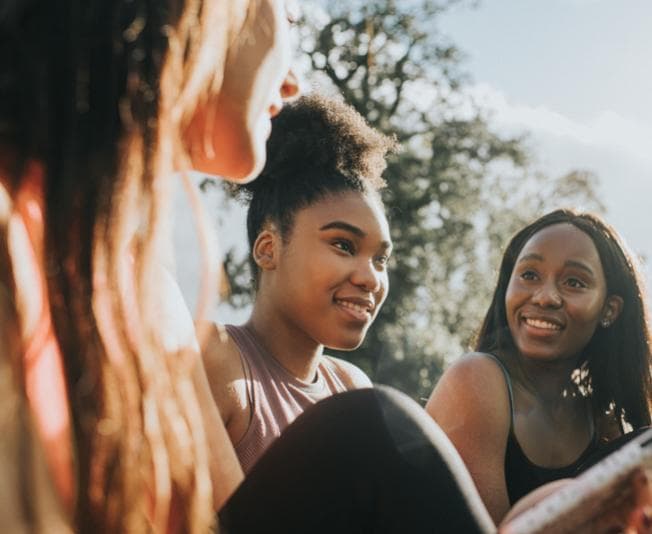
508,382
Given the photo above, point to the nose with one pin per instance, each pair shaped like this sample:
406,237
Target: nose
368,277
547,296
290,88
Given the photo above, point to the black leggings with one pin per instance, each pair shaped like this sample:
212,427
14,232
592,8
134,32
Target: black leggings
363,461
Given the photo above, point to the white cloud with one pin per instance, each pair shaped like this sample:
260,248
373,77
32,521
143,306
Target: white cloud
617,148
582,3
607,129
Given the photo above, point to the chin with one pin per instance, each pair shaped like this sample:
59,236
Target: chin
244,174
251,155
541,355
250,165
345,344
240,158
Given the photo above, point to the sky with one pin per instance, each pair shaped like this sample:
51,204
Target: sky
576,75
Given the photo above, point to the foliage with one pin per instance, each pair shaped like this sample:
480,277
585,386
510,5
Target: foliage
455,193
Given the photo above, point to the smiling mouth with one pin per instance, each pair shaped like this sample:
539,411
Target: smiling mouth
358,311
542,324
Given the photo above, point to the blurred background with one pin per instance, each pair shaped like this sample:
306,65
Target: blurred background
506,109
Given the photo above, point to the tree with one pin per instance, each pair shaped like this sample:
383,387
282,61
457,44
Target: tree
455,193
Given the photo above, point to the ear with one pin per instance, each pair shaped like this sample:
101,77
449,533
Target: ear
265,249
612,308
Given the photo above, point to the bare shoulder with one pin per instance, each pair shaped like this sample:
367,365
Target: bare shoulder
471,405
220,354
352,375
474,388
224,371
476,372
176,325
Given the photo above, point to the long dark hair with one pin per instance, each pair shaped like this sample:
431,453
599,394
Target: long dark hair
616,361
98,92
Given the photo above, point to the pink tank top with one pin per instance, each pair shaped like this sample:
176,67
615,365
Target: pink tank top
275,396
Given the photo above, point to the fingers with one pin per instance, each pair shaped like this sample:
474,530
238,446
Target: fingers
639,520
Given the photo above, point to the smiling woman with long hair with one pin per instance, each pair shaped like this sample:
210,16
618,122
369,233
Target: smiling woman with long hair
561,371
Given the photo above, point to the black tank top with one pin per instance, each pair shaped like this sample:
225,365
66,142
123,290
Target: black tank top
521,475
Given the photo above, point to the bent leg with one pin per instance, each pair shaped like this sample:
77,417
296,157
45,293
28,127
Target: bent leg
369,460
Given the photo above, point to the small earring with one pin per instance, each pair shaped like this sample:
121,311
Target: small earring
605,323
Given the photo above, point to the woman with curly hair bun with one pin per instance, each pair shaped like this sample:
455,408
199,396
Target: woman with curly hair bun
319,248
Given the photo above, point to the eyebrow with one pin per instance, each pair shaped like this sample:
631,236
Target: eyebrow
531,256
569,263
580,265
347,227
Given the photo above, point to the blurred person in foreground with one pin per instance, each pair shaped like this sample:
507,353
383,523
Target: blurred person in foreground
101,104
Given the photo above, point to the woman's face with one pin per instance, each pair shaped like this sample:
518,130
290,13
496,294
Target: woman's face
330,278
227,137
557,294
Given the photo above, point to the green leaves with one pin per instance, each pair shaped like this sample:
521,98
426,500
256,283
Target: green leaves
456,192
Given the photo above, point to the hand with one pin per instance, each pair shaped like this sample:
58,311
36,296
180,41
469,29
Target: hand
634,514
626,509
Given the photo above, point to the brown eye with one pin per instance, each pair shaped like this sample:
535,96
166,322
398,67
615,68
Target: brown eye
575,283
344,245
528,275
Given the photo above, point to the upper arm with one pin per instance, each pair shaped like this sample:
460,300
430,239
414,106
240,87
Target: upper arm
471,404
225,470
352,376
176,327
224,372
178,331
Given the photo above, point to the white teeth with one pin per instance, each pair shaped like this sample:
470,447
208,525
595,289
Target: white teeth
351,305
538,323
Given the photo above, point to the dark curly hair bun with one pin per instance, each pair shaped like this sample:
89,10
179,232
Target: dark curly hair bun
319,146
321,135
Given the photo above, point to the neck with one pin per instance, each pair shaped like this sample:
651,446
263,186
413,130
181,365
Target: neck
551,381
289,345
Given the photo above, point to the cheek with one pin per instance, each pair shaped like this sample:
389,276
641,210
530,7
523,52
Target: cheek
300,280
512,297
384,290
587,311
